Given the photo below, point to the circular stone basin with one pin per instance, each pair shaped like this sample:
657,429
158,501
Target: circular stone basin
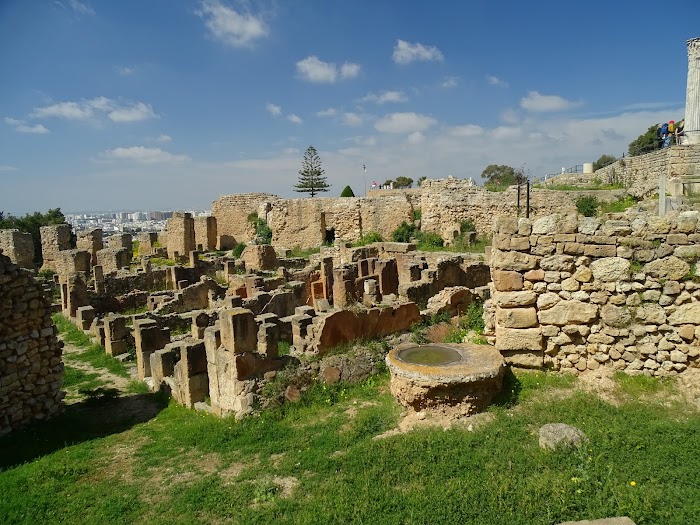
449,377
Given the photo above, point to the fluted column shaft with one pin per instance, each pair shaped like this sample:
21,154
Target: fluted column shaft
692,94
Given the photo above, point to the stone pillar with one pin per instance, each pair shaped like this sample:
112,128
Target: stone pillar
18,246
54,238
180,234
239,333
115,335
99,279
692,94
148,338
91,241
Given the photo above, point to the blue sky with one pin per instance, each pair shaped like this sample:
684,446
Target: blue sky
168,104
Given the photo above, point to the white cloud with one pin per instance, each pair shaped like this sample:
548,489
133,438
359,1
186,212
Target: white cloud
352,119
135,113
312,69
468,130
273,109
231,27
415,138
7,168
164,138
144,155
495,81
405,53
384,97
84,110
125,71
296,119
349,70
404,123
78,8
450,82
510,116
22,127
330,112
66,110
536,102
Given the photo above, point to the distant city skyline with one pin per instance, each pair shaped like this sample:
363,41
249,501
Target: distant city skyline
169,104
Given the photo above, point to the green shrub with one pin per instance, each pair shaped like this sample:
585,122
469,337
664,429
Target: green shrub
603,161
238,250
429,240
587,205
417,215
368,238
619,205
467,225
404,233
347,192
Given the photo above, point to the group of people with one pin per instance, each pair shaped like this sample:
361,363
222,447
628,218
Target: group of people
670,131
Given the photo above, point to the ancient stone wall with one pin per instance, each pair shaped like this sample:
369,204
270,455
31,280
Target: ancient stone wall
231,213
54,238
446,202
31,369
577,294
205,233
18,246
308,222
91,241
180,235
640,174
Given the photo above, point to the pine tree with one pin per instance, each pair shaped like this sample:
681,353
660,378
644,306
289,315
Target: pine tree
311,178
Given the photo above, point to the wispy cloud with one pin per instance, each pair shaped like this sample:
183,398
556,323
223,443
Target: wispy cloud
329,112
312,69
384,97
7,168
450,82
273,109
467,130
352,119
144,155
495,81
125,71
231,27
88,109
164,138
536,102
404,123
296,119
405,53
22,127
76,7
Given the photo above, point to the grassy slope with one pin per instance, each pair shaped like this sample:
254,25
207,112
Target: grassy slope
187,467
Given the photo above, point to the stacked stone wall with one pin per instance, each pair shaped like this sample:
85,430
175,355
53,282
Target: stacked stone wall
180,234
231,213
18,246
54,238
91,241
205,233
576,293
640,174
447,202
31,369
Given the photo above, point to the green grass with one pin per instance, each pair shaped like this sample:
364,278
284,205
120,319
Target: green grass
617,206
297,251
186,467
76,378
574,187
92,353
160,261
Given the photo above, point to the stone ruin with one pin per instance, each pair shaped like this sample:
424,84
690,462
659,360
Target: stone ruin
31,370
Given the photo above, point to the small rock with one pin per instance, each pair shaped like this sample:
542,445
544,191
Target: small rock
553,435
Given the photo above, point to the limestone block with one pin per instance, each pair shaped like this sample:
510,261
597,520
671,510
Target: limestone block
516,317
611,269
588,225
516,261
583,274
570,285
506,281
688,252
527,359
650,313
546,225
84,317
688,313
518,339
547,300
239,333
555,435
515,299
615,316
259,257
670,268
534,275
600,250
558,263
568,312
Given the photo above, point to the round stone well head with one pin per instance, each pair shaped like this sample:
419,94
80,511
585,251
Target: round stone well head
448,377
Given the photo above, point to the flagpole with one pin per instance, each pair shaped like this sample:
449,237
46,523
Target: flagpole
365,178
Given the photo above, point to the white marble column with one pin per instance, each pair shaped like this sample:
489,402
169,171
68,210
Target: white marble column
692,94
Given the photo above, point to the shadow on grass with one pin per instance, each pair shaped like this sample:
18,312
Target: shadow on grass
93,418
510,393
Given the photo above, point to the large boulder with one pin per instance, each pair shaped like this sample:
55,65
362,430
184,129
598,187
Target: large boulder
669,268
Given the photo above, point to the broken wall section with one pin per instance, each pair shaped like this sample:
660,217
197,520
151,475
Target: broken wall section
577,294
31,369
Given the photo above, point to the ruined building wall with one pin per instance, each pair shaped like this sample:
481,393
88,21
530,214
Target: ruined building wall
91,241
577,294
640,174
31,369
231,213
54,238
180,234
18,246
205,232
446,202
304,222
